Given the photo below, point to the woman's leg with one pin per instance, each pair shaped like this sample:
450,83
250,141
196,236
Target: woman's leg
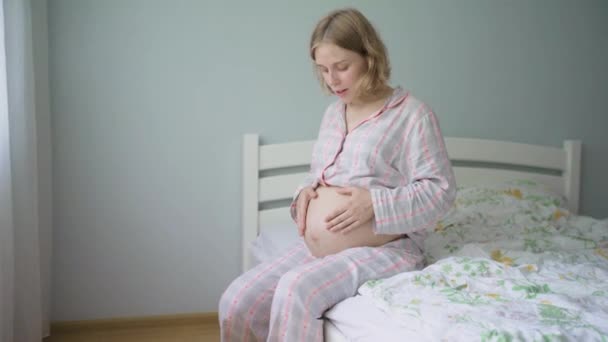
304,293
244,309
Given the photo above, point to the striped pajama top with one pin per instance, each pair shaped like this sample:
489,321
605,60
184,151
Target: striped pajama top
398,154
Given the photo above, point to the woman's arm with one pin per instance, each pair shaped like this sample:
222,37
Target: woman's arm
430,189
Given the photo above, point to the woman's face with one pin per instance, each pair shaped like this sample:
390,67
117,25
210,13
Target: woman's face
341,69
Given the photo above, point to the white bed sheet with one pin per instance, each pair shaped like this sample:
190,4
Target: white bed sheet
272,242
359,319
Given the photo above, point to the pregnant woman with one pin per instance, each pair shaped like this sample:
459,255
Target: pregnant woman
380,178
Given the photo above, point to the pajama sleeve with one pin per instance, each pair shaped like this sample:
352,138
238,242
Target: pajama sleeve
429,186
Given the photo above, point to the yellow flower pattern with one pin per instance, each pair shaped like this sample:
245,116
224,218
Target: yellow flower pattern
602,252
498,256
515,193
557,214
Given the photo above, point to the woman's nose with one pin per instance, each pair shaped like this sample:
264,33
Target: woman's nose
333,79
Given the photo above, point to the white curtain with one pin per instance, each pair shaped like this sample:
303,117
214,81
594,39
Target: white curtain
25,172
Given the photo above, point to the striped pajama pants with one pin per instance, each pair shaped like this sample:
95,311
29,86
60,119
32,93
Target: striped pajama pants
284,299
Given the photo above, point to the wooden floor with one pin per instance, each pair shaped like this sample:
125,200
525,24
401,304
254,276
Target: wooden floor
207,331
159,334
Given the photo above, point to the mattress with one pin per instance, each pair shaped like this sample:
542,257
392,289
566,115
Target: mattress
359,319
507,263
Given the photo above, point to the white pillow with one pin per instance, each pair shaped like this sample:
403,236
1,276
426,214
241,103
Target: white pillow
273,241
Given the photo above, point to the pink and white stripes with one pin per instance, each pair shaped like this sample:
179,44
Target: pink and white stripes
284,300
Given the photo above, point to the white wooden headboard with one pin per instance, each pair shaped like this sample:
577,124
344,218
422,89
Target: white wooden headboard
488,161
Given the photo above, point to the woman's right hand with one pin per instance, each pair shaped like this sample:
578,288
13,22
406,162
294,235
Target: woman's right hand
304,198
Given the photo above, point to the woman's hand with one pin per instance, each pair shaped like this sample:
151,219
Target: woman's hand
304,198
354,213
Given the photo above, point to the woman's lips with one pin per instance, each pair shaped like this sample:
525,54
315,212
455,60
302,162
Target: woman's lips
341,92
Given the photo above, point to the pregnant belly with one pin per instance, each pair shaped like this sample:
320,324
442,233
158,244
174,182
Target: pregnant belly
322,242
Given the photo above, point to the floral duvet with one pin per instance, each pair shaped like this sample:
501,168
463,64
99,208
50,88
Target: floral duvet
508,263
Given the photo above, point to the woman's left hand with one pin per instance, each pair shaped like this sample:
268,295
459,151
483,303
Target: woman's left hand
358,210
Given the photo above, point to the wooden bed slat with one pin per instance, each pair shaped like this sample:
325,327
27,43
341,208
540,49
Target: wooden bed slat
275,217
279,187
285,155
508,153
468,176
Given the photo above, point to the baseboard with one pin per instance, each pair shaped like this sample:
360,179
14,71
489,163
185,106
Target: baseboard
133,322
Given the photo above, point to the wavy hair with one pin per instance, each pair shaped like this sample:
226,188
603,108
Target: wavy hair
349,29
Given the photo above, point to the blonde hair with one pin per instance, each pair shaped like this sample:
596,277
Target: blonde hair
349,29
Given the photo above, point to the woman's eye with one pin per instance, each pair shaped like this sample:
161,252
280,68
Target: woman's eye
342,67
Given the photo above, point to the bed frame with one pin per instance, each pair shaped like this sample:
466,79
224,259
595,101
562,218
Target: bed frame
272,172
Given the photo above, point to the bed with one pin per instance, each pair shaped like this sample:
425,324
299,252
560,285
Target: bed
512,260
